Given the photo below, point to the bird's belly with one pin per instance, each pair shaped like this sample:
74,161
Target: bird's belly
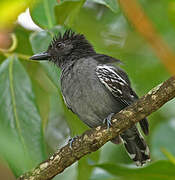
90,100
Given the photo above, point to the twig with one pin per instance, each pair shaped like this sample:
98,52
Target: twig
144,26
93,139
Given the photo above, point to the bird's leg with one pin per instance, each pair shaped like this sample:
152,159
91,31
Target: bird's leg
71,140
108,119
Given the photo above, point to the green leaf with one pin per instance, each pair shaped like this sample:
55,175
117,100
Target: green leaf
159,170
106,30
42,93
112,4
2,58
43,13
57,131
114,154
169,156
171,12
85,167
163,138
67,11
40,41
19,114
23,44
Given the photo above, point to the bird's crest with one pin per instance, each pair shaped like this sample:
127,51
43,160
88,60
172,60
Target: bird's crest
68,35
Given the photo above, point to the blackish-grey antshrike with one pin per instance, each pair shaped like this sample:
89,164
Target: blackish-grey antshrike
93,88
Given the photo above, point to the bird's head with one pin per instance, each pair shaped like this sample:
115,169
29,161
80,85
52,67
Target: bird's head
65,48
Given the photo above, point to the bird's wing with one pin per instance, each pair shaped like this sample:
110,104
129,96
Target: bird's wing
104,59
117,82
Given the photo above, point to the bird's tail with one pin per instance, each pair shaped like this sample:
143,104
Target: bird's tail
135,146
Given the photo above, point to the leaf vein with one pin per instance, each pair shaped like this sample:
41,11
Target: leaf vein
14,101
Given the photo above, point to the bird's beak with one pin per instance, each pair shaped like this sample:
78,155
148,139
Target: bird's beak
41,56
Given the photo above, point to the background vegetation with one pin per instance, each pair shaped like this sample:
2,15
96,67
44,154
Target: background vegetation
34,121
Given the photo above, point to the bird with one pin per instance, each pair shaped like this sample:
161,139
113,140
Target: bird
94,87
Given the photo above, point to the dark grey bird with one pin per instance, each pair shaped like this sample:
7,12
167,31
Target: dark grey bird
94,89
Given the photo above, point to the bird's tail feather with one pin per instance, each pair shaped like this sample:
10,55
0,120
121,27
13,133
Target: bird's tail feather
135,146
144,125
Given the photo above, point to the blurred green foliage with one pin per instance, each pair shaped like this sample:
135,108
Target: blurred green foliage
33,118
10,9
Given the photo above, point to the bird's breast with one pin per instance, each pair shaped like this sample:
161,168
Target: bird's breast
86,96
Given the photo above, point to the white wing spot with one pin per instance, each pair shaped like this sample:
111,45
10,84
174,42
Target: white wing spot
119,91
106,68
132,156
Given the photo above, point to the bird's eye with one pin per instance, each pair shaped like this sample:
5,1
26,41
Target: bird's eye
60,45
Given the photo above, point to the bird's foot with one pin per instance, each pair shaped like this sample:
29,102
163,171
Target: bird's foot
71,140
108,119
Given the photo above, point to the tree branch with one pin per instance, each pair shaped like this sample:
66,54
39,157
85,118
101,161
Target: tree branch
95,138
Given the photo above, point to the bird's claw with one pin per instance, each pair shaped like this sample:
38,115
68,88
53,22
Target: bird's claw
71,140
107,120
